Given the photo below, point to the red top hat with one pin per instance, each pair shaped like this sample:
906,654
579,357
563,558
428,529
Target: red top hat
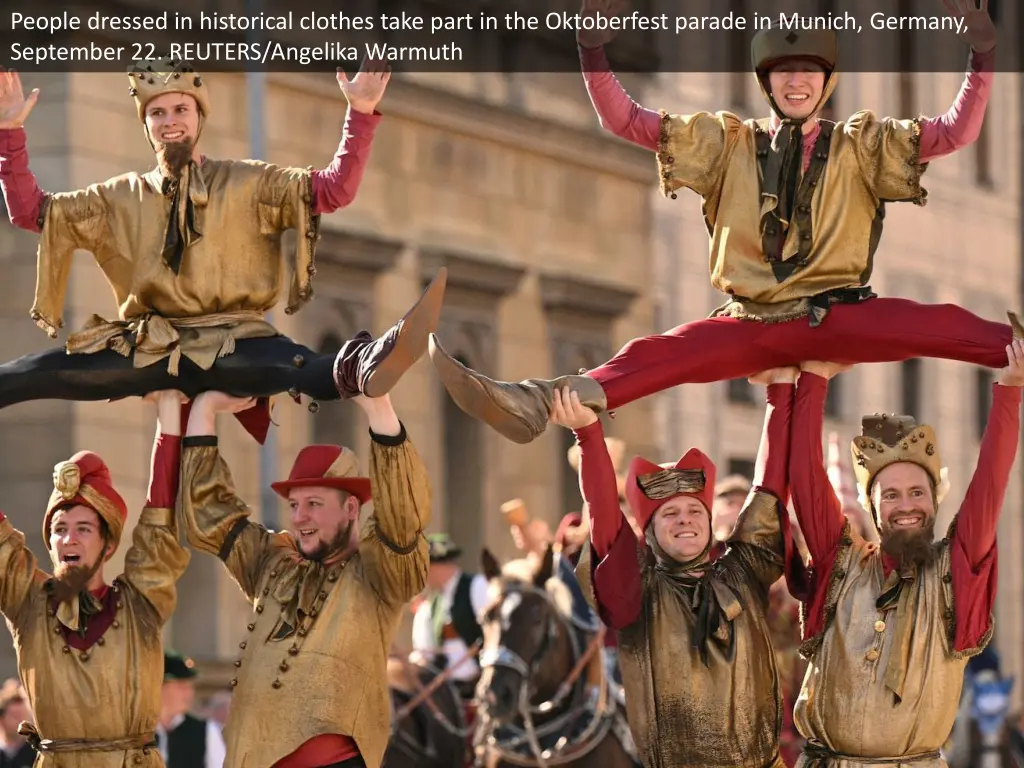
650,485
85,479
326,466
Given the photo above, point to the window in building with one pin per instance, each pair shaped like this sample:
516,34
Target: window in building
743,467
983,380
463,476
834,398
337,421
910,372
740,391
739,59
906,62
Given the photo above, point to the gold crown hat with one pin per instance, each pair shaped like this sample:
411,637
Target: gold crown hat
617,452
889,439
151,78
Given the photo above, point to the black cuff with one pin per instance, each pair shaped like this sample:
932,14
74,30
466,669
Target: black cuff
390,440
199,441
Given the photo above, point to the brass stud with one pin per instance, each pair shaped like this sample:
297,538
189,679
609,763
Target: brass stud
299,361
84,656
234,682
57,629
273,574
284,666
119,604
881,449
872,655
238,662
66,649
929,449
197,82
251,626
294,650
242,645
313,612
266,591
259,609
115,624
314,407
879,626
101,641
302,632
323,595
332,576
276,684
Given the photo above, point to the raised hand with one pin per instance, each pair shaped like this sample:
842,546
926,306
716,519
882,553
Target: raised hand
825,370
219,402
366,89
787,375
14,107
595,38
568,411
166,395
978,29
1013,374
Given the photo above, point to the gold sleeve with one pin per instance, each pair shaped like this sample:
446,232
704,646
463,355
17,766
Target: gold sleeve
889,153
393,548
286,202
19,572
758,538
156,560
692,150
216,521
70,220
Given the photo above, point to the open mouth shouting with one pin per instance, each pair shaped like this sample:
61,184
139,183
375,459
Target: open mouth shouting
796,100
307,535
71,558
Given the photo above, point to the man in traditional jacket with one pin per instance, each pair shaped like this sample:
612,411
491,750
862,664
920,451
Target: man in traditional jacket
694,645
192,253
311,686
445,627
889,626
185,741
794,205
89,652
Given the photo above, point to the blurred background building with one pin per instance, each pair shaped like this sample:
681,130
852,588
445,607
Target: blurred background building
559,249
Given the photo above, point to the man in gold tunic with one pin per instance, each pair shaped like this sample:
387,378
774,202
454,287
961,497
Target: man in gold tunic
794,205
90,654
192,252
890,626
311,687
695,648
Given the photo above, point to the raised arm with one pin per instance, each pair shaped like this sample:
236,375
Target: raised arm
762,527
616,110
156,559
22,195
973,541
19,572
961,124
609,567
818,510
215,519
393,548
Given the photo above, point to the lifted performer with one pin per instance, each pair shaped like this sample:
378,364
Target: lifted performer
695,650
192,252
90,653
794,204
311,689
889,627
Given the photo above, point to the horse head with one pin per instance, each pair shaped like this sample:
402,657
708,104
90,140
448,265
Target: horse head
528,642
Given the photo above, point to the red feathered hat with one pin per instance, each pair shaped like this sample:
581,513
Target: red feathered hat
650,485
326,466
85,479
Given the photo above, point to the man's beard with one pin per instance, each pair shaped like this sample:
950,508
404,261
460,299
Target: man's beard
174,156
70,580
327,548
911,547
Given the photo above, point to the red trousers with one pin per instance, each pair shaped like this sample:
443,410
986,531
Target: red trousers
876,330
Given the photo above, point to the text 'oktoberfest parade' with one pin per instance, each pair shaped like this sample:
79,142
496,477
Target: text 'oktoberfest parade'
678,620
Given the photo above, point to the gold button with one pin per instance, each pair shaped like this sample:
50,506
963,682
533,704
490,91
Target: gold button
872,655
879,626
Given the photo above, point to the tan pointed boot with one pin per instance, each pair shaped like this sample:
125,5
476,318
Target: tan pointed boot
519,411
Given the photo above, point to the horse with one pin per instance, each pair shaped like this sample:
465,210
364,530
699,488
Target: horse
543,698
428,721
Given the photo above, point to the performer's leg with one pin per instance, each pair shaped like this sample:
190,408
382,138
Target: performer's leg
56,375
891,330
702,351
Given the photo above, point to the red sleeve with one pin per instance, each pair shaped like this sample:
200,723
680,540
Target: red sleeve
617,112
336,185
818,511
599,488
771,469
22,194
617,584
961,125
973,546
164,474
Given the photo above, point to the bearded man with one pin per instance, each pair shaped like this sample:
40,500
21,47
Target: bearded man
192,252
90,653
311,688
889,627
694,644
794,205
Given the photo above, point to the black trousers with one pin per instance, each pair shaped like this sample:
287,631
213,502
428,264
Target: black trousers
352,762
257,368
